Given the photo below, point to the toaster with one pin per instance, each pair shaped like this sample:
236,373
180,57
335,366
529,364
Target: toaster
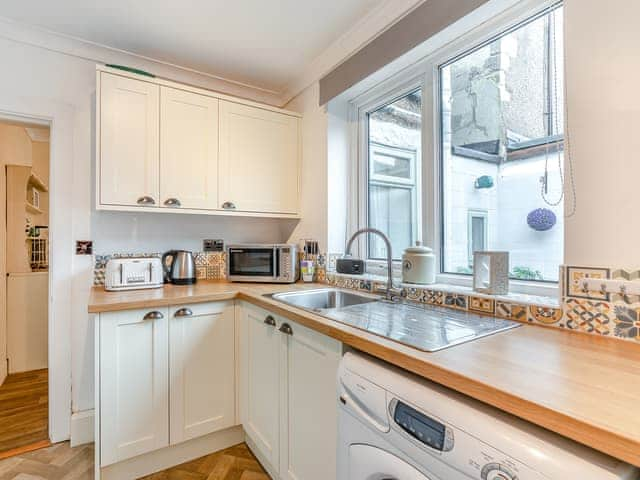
132,273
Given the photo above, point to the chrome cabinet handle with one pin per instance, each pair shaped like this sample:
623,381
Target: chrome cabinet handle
229,206
172,202
153,316
146,200
269,320
183,312
286,329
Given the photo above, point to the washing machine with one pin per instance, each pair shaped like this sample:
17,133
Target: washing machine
396,426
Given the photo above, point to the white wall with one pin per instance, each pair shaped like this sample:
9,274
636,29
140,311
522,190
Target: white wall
314,182
40,77
603,42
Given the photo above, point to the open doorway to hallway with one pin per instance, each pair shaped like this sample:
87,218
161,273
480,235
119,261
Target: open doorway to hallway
24,285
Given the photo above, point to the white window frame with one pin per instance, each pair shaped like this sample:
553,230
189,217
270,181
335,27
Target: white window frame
425,74
359,108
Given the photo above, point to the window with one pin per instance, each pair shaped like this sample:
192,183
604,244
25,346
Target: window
477,234
394,143
492,179
501,118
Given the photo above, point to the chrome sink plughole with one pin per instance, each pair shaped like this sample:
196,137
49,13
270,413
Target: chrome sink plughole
424,327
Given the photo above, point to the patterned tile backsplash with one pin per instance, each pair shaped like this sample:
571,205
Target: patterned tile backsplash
597,313
209,265
613,314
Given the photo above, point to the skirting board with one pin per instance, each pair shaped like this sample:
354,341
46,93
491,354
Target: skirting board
82,428
263,461
173,455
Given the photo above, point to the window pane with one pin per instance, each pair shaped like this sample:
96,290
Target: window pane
395,141
477,234
390,165
501,124
390,211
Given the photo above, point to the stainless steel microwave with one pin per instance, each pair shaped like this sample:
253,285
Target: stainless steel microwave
266,263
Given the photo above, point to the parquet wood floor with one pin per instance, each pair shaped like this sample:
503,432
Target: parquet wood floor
61,462
24,409
235,463
57,462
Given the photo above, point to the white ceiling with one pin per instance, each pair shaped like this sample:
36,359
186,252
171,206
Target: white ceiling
261,43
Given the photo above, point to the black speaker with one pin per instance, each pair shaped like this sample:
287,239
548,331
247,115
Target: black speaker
350,265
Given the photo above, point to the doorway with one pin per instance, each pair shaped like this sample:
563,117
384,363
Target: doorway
24,286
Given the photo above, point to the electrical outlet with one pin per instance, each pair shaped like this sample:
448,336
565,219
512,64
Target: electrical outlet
209,245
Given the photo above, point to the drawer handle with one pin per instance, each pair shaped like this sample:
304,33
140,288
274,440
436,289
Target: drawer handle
269,320
153,316
172,202
146,200
183,312
286,329
229,206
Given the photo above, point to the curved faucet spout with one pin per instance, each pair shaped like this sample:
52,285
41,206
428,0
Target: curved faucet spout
389,292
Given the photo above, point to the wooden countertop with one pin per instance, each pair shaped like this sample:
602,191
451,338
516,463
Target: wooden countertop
584,387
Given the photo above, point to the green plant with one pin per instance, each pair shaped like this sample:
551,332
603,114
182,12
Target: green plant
466,270
525,273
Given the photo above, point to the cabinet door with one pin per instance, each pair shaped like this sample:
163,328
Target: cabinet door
259,377
188,150
259,159
134,377
129,136
202,369
309,445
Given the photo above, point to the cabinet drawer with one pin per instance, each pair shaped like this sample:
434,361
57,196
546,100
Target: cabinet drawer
210,308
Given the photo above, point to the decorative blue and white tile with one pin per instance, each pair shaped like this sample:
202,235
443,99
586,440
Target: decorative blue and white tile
456,301
627,322
590,316
413,294
433,297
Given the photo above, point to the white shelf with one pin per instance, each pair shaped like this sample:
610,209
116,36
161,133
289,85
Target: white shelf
37,182
33,209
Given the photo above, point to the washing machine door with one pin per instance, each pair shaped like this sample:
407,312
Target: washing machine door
372,463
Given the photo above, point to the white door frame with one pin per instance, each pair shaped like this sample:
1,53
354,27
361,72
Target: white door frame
60,118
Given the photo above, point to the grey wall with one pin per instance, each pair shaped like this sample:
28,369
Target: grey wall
425,21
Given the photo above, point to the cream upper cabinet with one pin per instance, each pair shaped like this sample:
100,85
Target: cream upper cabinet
259,159
167,147
129,122
133,380
188,150
202,369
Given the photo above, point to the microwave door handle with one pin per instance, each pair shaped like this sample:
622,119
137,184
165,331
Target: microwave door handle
276,262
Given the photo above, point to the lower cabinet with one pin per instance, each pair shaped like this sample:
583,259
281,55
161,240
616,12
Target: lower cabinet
288,395
134,383
166,375
202,370
260,381
171,375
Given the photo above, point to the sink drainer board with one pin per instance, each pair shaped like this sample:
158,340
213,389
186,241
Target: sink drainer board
426,328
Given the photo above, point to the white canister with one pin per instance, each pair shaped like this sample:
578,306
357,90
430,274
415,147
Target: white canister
418,265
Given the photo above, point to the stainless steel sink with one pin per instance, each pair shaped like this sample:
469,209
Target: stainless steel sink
425,327
322,299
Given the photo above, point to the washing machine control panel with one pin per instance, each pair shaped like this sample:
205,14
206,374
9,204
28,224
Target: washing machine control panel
421,427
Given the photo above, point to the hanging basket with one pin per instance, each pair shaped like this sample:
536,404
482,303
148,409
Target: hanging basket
541,219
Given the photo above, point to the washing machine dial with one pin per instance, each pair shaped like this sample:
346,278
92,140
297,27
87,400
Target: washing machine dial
496,471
